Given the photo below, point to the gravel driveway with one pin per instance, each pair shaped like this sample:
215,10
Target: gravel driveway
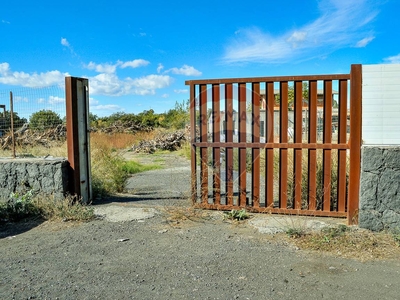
146,256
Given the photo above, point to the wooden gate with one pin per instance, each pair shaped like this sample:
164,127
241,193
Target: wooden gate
288,144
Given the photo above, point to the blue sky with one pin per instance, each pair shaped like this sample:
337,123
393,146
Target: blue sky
138,54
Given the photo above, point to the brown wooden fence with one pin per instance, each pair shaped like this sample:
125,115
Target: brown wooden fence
288,144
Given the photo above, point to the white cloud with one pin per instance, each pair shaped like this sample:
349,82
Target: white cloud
110,84
20,99
102,68
5,22
393,59
56,100
185,70
181,91
164,96
364,42
159,68
134,63
107,107
30,79
340,24
65,42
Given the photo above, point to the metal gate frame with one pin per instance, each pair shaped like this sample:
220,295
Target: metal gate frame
347,196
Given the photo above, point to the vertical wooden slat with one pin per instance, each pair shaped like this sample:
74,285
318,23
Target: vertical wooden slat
193,159
229,139
216,139
355,143
312,153
203,138
327,154
269,153
255,175
342,139
242,151
283,137
298,134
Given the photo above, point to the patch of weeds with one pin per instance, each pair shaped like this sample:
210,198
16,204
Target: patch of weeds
69,209
330,233
237,215
18,206
21,206
133,167
295,232
396,236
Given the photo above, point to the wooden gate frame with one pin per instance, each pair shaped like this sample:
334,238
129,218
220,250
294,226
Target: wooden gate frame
348,198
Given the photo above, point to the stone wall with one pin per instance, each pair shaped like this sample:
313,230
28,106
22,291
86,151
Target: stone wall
44,176
380,188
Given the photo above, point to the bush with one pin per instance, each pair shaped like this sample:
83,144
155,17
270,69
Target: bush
44,119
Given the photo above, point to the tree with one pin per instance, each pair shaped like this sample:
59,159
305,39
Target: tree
5,121
291,95
44,119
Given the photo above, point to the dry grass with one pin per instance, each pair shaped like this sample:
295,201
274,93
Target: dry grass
119,141
349,242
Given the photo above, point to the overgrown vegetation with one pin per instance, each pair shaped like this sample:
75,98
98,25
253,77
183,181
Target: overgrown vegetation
20,206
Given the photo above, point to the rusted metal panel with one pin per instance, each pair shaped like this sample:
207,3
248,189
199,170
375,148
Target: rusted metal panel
216,117
242,151
342,139
327,154
312,153
355,143
269,79
255,174
283,138
203,138
269,153
193,155
229,139
298,136
284,145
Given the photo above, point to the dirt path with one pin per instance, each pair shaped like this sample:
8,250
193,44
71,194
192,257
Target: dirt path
162,253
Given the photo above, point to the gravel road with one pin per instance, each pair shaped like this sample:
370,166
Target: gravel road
149,257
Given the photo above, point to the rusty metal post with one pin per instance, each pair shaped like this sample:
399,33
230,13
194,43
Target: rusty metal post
12,124
77,114
355,143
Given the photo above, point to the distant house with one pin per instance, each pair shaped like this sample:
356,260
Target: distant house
320,99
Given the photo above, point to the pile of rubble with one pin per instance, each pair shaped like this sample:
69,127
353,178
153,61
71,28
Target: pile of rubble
164,141
122,127
27,137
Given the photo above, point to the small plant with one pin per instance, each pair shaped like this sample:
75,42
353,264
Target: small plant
396,236
295,232
237,215
18,207
330,233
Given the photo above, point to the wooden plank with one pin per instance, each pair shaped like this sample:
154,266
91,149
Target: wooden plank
229,139
216,134
203,138
355,143
298,136
283,137
269,153
242,151
342,139
255,174
312,153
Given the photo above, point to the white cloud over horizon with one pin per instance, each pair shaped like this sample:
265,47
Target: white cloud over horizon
32,80
393,59
340,24
185,70
182,91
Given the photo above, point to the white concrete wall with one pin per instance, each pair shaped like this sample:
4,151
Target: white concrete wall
381,104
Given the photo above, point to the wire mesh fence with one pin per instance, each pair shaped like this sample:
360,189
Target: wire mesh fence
32,122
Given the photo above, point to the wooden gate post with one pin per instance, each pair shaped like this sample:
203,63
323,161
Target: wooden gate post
355,143
77,114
